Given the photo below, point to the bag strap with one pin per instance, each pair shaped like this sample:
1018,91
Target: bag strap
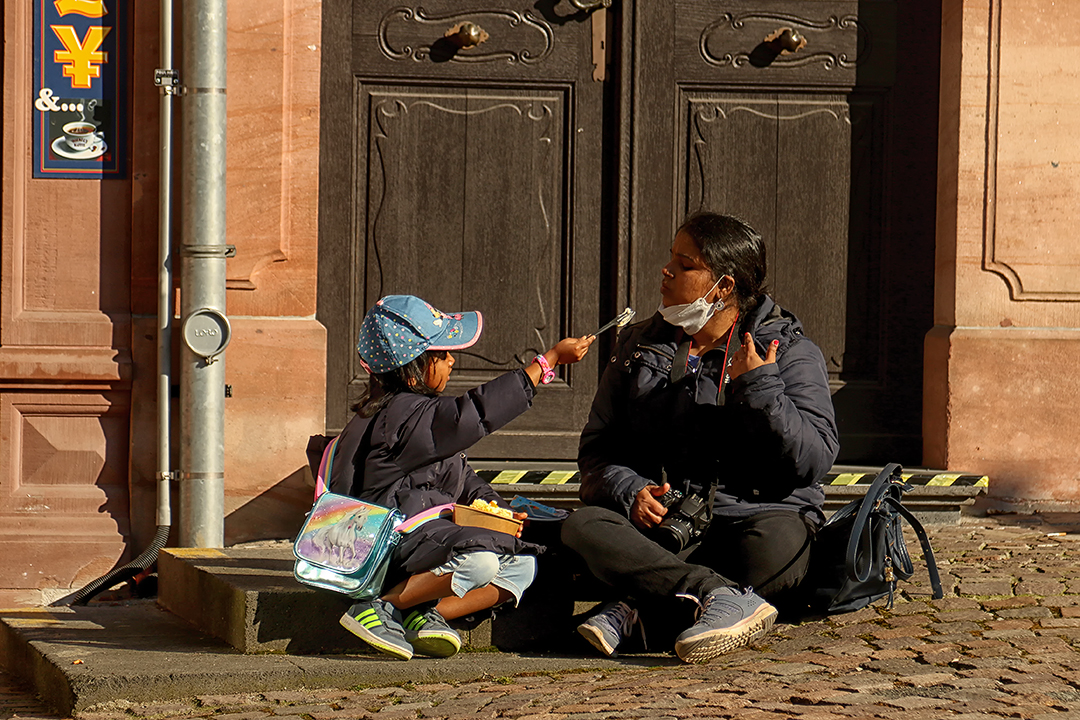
340,474
924,542
860,531
321,479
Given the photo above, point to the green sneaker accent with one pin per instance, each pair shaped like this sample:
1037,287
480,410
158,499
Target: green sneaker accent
374,623
427,632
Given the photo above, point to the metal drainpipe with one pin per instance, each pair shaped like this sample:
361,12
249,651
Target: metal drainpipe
202,280
167,79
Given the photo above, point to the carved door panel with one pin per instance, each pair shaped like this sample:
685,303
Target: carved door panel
503,178
467,176
829,151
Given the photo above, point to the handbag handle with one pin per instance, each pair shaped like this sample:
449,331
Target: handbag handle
924,542
860,531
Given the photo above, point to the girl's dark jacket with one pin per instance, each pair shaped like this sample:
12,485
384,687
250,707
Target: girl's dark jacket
414,459
768,439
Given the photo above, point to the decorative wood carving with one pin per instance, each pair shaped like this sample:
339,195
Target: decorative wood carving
750,38
708,112
717,112
543,142
421,27
787,120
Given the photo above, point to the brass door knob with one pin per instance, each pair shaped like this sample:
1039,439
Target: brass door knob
786,40
466,35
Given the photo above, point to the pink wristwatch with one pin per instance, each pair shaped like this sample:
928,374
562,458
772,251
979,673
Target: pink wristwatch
548,374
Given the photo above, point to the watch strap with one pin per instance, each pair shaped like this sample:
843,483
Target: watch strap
547,374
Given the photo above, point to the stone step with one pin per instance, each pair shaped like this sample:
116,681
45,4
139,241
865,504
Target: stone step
88,658
249,598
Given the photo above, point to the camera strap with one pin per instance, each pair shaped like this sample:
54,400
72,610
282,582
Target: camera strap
712,496
678,365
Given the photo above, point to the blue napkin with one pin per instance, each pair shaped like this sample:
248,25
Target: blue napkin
537,511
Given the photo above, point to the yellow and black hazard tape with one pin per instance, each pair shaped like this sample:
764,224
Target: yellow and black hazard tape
920,479
530,477
565,477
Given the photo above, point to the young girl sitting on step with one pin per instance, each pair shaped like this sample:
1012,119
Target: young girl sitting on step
410,455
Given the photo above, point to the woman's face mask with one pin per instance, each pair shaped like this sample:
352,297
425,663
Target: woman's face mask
693,316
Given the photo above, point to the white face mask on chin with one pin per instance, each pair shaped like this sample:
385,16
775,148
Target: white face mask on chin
691,317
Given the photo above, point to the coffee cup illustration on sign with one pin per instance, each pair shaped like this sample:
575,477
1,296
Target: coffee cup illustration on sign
80,135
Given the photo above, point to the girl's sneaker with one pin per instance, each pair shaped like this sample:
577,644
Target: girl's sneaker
426,630
376,622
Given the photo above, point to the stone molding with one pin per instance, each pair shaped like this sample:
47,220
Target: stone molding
1029,278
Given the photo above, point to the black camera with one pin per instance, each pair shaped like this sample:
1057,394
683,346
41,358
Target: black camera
687,519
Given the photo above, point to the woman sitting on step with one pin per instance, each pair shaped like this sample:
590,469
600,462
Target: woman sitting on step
703,453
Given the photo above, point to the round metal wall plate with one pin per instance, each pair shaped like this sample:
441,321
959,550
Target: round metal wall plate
207,332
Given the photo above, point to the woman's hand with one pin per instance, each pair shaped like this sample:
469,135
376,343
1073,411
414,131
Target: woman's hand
647,512
746,358
520,516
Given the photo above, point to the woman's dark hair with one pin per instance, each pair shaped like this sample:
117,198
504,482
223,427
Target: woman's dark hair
731,247
407,378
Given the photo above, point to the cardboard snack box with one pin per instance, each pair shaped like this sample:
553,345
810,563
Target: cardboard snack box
471,517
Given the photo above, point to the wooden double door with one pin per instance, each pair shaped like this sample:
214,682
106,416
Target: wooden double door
532,159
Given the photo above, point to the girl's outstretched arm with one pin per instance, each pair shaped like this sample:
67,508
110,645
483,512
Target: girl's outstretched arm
457,423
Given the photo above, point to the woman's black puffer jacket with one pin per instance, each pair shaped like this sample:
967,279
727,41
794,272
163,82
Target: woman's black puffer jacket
767,440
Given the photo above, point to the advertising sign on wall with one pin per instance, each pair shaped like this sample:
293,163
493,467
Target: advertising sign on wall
79,81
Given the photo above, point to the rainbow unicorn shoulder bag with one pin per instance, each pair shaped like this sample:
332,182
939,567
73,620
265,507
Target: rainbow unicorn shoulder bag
345,545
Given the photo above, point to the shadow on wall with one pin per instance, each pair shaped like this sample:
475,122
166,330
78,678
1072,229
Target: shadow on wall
275,514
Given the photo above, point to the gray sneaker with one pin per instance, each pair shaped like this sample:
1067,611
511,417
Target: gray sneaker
728,619
427,632
377,623
606,629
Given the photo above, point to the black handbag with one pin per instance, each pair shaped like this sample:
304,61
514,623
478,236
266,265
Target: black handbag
859,554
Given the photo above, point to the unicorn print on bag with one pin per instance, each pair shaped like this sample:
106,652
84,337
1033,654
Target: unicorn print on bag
339,544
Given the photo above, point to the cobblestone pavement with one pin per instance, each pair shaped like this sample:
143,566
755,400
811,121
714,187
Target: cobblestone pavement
1003,643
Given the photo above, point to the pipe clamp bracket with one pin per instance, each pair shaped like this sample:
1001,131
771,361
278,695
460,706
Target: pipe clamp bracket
209,251
168,80
202,475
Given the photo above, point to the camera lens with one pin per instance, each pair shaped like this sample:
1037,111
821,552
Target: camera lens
672,534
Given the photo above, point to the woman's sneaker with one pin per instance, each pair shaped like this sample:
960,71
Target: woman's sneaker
427,632
728,619
606,629
376,622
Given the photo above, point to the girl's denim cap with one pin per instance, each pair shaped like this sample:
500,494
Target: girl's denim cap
399,328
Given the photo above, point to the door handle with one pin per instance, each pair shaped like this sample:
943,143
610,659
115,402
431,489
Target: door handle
786,39
466,35
593,5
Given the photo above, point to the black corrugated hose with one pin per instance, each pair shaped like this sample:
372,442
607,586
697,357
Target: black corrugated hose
133,568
